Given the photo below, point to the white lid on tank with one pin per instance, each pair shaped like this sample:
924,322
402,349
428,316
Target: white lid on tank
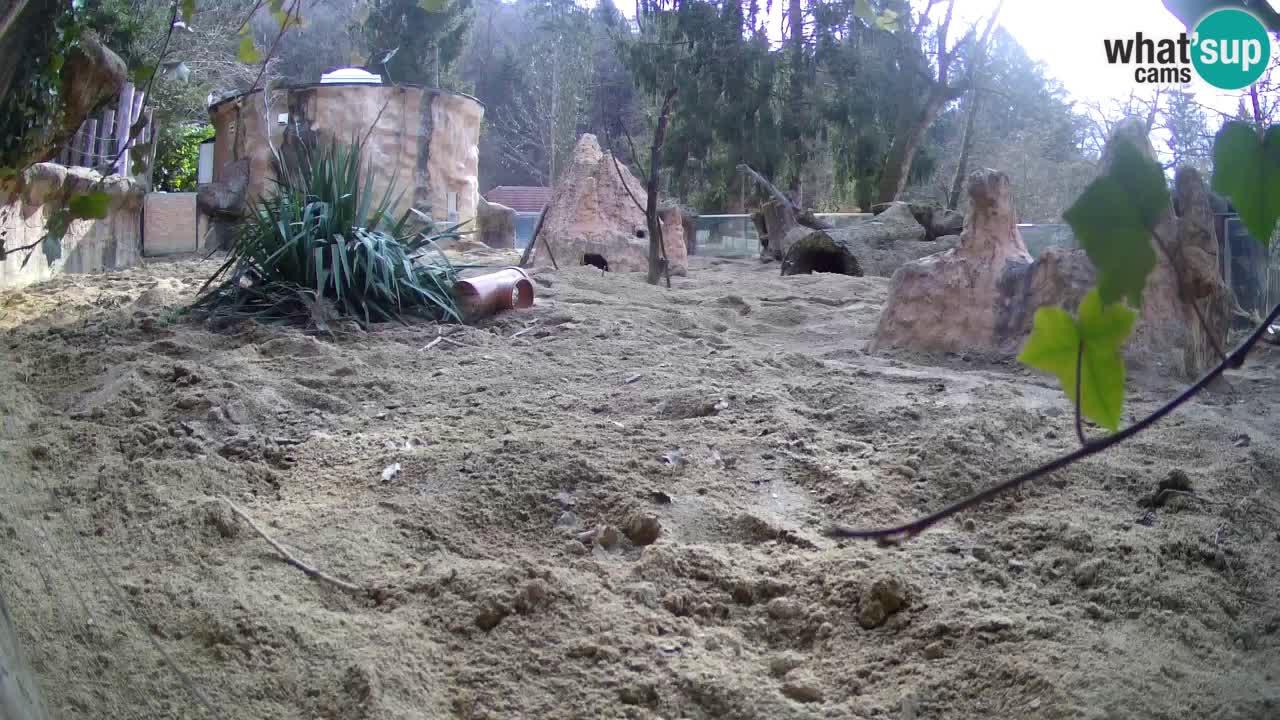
350,75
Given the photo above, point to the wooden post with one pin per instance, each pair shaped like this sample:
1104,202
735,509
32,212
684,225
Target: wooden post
151,148
108,143
73,147
135,116
123,113
90,143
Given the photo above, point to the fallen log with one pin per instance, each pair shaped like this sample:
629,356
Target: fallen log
875,247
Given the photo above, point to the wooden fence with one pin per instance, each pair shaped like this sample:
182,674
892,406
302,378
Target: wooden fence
105,136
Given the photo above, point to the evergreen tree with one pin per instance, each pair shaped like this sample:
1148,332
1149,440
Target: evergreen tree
416,41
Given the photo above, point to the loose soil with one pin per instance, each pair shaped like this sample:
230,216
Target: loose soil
611,506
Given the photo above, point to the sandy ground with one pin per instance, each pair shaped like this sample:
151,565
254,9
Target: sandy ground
738,411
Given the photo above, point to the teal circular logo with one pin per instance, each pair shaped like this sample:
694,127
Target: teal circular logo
1232,49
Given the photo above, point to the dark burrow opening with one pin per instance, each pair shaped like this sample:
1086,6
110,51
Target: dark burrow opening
595,260
828,259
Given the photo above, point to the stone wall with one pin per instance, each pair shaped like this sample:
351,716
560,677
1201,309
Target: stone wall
171,225
89,246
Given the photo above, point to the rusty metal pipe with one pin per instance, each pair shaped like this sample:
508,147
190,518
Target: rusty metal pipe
491,293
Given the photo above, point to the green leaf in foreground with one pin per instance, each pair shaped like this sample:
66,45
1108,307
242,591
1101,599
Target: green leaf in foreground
1055,342
248,52
188,10
89,206
1114,218
1246,168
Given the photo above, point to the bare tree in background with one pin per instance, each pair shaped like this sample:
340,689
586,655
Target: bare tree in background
914,119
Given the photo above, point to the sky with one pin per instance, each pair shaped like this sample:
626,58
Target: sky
1067,37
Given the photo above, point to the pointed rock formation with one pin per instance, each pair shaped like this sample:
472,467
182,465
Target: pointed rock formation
594,211
983,295
967,298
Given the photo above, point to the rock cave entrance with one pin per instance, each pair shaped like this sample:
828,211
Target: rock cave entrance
821,255
596,260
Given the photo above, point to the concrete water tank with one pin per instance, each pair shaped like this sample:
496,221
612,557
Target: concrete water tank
425,140
350,75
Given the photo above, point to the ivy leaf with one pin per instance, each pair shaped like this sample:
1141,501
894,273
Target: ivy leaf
139,158
51,244
188,10
248,52
1246,168
888,21
1055,342
89,206
142,75
1114,219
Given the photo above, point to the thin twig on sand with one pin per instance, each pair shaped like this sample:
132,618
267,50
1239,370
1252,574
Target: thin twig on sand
288,557
532,326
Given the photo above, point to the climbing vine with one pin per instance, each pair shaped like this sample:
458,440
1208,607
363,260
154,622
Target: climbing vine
36,104
1115,221
40,106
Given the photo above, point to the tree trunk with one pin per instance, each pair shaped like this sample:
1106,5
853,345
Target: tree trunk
905,145
779,220
657,251
966,146
551,140
796,93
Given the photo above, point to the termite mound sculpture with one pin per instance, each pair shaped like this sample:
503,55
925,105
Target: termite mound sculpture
982,295
596,210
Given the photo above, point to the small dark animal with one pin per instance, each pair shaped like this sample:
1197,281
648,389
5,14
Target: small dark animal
596,260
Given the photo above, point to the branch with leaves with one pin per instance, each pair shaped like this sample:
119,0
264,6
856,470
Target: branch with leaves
1115,221
93,203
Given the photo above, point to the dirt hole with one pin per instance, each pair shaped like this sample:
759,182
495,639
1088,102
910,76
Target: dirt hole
823,260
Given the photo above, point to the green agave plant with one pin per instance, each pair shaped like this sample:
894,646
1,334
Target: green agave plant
321,237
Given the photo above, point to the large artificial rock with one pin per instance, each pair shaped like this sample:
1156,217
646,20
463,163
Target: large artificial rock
983,295
937,221
91,75
689,221
594,211
964,298
225,203
86,246
1169,319
874,247
226,198
495,224
1185,285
